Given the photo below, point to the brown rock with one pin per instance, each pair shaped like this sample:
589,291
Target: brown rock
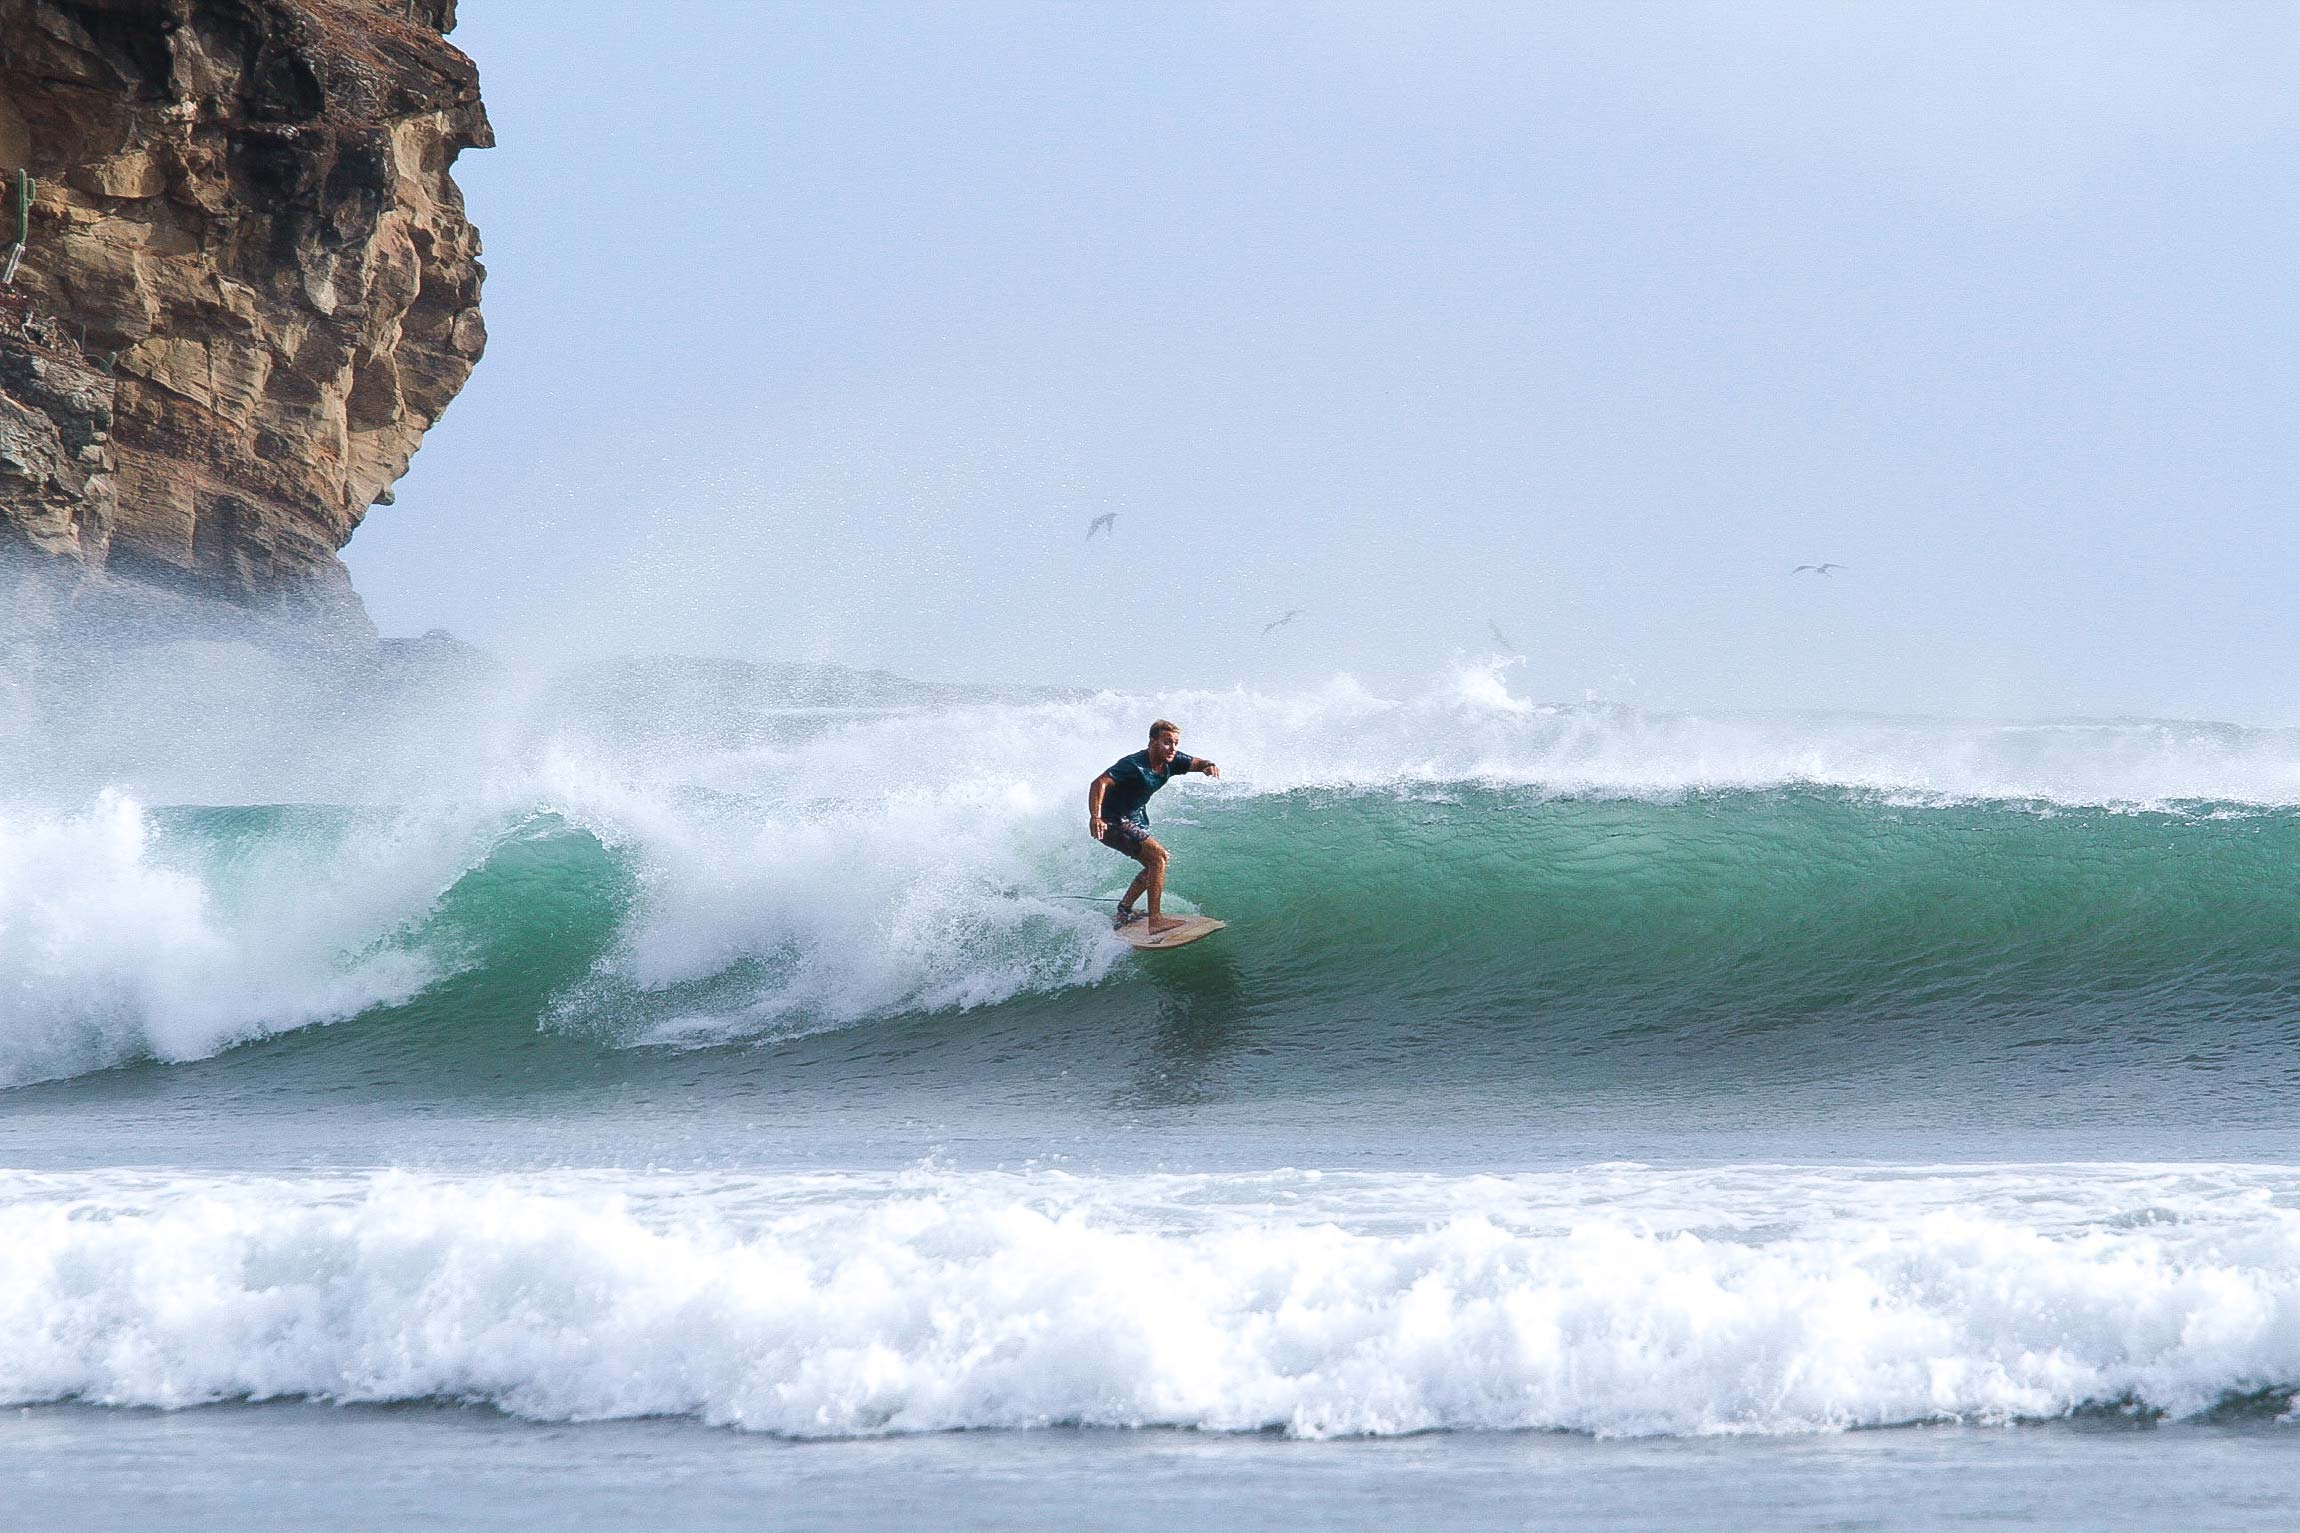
135,174
248,289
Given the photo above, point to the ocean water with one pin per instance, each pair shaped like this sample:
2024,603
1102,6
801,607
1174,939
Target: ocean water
715,1089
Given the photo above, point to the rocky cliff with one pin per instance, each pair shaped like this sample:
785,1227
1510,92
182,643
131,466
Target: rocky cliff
247,288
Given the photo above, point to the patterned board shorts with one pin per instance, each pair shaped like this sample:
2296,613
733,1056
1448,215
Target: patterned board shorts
1125,836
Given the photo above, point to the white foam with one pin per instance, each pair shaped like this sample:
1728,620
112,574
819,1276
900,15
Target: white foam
1612,1301
109,953
812,913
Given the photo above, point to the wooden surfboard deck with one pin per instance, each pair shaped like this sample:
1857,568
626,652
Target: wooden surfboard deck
1136,934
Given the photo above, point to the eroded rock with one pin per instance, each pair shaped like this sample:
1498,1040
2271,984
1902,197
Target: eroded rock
248,289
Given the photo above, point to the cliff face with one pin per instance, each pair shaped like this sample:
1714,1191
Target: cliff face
247,289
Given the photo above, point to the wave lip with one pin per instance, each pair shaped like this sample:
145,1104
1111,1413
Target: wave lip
1616,1301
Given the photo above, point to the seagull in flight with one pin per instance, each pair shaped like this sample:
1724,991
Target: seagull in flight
1281,622
1499,637
1106,522
1818,569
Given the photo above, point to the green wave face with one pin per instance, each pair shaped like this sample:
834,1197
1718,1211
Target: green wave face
1464,930
1753,908
523,927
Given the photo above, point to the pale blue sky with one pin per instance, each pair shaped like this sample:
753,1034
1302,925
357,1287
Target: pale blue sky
822,331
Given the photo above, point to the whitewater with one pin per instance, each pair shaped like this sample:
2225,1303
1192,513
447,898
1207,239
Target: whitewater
745,1049
1617,1300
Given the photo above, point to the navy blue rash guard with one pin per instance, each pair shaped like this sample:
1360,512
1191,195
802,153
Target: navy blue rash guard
1132,780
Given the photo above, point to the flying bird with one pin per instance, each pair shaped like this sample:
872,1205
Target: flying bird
1281,622
1818,569
1499,637
1106,522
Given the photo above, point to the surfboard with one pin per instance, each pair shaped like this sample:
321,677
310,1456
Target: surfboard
1136,934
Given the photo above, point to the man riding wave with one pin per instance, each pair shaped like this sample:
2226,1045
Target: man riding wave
1118,815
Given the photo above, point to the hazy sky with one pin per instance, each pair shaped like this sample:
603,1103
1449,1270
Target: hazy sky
821,331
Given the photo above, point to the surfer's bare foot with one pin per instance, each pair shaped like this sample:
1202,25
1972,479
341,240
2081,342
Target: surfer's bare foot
1163,924
1125,917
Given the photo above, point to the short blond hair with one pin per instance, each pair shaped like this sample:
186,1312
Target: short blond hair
1165,727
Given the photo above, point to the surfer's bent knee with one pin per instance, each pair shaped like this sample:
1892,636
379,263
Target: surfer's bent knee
1135,843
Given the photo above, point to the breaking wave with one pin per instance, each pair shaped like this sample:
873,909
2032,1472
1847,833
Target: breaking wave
1617,1300
1462,855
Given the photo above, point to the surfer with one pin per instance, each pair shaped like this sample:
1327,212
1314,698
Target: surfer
1117,814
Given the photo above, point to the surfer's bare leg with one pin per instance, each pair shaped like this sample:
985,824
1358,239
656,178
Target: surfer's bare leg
1134,892
1152,878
